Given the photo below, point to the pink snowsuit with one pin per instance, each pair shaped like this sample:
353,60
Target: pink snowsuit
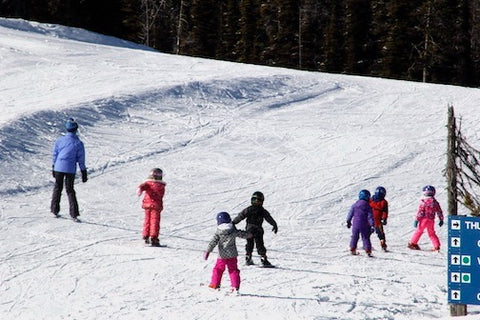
427,210
153,205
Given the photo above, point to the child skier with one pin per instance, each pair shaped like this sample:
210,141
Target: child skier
380,214
255,214
425,219
154,189
225,237
362,216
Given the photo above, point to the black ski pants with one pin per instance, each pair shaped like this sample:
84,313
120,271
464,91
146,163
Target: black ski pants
69,179
256,240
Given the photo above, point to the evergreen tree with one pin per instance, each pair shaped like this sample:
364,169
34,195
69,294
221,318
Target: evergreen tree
311,34
358,43
402,59
450,58
249,13
286,39
267,26
474,32
205,21
334,59
379,32
229,26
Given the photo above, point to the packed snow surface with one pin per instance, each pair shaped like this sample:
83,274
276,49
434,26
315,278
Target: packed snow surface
220,131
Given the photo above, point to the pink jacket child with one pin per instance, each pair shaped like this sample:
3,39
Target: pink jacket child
425,219
154,188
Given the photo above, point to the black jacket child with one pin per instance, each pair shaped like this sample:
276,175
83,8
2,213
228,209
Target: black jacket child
254,215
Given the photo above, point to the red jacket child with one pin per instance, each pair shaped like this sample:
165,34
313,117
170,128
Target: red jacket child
380,214
154,188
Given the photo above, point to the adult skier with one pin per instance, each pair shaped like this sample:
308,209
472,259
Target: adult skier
67,152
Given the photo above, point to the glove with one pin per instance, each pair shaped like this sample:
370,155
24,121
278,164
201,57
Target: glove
415,223
84,176
349,224
53,171
205,255
384,222
275,229
440,223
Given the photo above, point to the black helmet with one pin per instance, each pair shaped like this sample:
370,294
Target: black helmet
380,193
257,198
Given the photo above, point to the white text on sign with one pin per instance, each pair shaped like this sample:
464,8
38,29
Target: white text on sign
472,225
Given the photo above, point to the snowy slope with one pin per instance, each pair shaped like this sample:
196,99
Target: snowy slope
220,131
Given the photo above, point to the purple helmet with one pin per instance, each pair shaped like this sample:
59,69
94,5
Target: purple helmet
223,217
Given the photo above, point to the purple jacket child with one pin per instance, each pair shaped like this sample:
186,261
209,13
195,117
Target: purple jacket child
363,223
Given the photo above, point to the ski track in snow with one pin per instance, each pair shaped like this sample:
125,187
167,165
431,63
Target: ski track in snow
309,141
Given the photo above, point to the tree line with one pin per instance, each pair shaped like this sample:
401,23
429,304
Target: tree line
435,41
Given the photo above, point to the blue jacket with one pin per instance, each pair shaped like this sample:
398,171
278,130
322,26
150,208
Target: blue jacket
67,152
362,215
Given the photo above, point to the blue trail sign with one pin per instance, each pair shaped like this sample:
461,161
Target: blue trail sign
463,260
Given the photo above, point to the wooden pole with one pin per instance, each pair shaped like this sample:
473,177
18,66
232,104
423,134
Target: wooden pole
455,309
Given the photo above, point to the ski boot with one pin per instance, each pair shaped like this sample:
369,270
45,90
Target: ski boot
354,252
155,242
248,260
146,239
413,246
265,262
383,244
214,286
369,253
